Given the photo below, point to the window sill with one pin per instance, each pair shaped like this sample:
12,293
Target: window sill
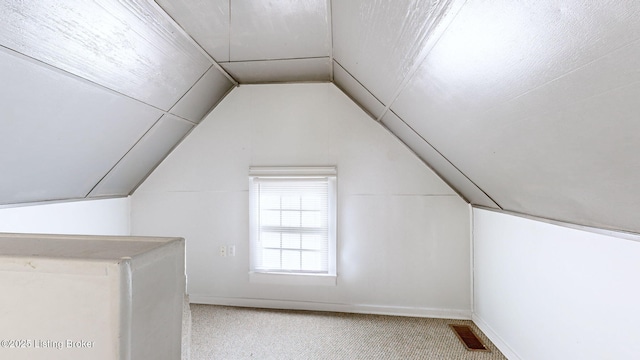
292,279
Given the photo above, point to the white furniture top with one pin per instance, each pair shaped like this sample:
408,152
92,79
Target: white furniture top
99,248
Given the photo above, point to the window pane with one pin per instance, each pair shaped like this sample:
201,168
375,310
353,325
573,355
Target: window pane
291,202
311,219
270,218
270,239
312,242
270,259
291,218
311,261
269,202
291,259
291,241
312,202
291,232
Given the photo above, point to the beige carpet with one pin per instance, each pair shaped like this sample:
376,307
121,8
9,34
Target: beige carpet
221,332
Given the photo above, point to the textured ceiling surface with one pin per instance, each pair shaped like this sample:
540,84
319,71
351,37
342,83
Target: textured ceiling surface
527,106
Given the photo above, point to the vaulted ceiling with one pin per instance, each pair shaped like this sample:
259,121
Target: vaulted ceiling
526,106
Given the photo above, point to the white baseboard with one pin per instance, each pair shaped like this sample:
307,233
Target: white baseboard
346,308
495,338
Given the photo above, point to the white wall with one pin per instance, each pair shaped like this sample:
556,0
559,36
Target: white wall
91,217
544,291
403,237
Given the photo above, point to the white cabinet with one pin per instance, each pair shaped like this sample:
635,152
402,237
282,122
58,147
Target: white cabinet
90,297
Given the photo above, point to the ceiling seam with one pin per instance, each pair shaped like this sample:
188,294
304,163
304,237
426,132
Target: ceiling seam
330,23
448,4
76,77
363,86
182,119
229,33
287,82
125,155
617,233
401,195
92,83
191,87
444,157
212,107
194,42
344,91
279,59
567,73
144,178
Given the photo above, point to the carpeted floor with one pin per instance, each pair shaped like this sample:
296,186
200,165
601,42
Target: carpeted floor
231,333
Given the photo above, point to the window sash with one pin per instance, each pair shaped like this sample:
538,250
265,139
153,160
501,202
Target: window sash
314,196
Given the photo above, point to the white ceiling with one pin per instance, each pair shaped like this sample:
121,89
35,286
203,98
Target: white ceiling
527,106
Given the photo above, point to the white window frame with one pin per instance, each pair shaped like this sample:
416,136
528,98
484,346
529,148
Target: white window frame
293,277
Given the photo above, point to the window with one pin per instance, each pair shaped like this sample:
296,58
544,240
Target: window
293,222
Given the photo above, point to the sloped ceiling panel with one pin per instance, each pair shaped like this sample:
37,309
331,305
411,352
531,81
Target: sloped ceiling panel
106,72
380,43
60,135
261,41
279,29
203,96
530,105
154,146
126,46
207,21
537,104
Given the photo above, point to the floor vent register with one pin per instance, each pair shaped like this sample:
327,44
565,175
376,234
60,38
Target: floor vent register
468,338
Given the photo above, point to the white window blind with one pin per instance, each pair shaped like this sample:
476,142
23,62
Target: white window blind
293,221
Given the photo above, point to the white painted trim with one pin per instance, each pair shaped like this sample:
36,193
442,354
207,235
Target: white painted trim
472,256
495,338
620,234
292,279
292,171
461,314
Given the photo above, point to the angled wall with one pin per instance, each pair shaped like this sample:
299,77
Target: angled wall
544,291
403,234
89,217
